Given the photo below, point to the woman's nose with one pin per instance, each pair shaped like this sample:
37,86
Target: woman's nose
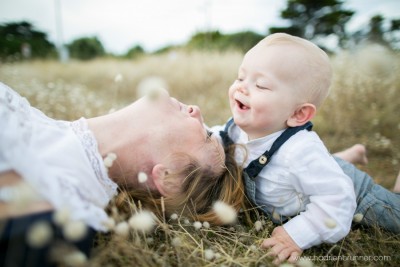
195,112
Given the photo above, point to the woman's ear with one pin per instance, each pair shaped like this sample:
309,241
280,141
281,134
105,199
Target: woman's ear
302,115
158,173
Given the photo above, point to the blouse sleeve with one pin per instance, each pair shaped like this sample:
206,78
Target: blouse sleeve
60,162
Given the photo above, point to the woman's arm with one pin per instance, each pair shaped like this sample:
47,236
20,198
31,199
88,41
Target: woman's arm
16,208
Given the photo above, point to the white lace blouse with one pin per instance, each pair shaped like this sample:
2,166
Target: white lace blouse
59,159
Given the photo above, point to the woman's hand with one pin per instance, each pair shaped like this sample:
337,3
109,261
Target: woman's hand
282,246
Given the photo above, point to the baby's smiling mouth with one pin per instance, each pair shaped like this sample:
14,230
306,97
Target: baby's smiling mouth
241,105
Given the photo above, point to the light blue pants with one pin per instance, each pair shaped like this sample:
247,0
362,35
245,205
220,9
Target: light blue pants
379,206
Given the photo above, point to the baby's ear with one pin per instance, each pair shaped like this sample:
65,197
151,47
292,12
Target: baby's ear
158,173
302,115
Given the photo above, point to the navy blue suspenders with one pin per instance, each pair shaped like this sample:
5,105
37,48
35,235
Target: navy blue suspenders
255,167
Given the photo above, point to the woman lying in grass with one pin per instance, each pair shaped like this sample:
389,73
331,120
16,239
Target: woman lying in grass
78,166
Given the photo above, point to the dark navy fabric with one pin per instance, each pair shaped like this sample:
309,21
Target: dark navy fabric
15,252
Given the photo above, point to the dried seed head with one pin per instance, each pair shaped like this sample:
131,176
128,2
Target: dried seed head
74,230
174,217
142,177
330,223
358,217
122,229
225,212
142,221
176,242
152,87
39,234
75,258
110,223
209,254
258,225
61,216
197,225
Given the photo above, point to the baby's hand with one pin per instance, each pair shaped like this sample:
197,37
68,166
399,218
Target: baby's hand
282,246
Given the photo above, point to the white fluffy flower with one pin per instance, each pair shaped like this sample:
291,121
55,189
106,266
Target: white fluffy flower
142,221
142,177
176,242
61,216
276,216
118,78
206,225
304,262
110,223
174,217
74,230
225,212
258,225
122,229
39,234
209,254
109,160
76,258
197,225
330,223
112,156
358,217
152,87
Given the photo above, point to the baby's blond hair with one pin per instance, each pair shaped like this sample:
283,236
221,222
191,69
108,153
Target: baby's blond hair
317,70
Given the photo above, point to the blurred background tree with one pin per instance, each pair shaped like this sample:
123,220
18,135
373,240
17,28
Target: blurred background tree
315,19
380,31
242,41
86,48
20,40
135,52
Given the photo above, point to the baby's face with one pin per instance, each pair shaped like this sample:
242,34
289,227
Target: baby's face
266,92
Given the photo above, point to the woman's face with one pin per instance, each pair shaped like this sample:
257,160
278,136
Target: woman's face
179,128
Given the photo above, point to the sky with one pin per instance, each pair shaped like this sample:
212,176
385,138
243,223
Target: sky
153,24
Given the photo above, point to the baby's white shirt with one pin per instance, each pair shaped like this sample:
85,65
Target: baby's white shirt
302,181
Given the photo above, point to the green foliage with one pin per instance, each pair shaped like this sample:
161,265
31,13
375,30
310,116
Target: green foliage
311,19
135,52
14,36
215,40
86,48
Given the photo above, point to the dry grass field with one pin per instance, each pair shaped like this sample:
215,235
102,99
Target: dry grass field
363,107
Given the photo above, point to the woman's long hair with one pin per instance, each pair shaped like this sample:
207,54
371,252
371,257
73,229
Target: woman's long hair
199,190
